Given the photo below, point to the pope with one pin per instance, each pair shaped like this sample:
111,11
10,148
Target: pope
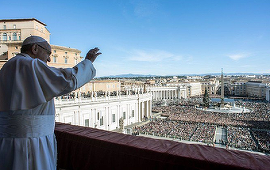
27,111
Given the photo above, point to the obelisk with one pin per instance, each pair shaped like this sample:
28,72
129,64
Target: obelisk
222,90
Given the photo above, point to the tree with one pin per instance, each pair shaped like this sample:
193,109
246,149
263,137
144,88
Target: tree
206,98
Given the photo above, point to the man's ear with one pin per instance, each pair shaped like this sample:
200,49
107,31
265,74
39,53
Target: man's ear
34,49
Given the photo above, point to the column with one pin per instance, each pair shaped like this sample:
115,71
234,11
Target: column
149,109
164,94
118,115
141,111
105,117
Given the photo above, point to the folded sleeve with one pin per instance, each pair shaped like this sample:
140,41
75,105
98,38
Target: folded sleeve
84,72
58,81
31,82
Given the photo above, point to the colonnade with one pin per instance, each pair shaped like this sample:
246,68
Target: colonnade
164,94
160,93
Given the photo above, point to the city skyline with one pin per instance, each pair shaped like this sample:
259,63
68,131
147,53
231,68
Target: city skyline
158,38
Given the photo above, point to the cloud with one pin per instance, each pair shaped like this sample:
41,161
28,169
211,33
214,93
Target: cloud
153,56
238,56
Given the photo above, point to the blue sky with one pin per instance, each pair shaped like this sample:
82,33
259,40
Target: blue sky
160,37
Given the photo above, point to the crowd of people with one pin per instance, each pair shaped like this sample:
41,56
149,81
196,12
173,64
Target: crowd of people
257,118
245,130
204,133
263,138
171,129
240,137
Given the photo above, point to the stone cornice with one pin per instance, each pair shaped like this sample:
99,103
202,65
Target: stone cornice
65,48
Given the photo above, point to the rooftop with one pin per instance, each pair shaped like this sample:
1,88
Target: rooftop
22,20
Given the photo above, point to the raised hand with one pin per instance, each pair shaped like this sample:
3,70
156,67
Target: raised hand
92,54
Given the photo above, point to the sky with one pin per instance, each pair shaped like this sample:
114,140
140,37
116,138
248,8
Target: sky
158,37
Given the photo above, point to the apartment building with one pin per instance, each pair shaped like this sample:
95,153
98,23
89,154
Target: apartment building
193,89
105,85
14,31
211,85
239,88
256,89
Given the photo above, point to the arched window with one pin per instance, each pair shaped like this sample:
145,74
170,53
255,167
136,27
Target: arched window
14,36
4,36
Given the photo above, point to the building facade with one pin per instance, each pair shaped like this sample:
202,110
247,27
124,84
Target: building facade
256,89
64,57
105,85
14,31
210,85
167,93
104,112
267,95
239,88
193,89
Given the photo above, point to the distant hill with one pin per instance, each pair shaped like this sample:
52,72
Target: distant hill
212,74
130,75
218,74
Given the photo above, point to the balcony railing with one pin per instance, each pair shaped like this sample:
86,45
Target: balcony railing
100,99
86,148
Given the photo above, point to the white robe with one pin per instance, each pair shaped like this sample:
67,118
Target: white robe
27,110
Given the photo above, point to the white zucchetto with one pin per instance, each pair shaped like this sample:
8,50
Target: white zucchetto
32,40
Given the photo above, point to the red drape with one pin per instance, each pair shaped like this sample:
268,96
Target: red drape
83,148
